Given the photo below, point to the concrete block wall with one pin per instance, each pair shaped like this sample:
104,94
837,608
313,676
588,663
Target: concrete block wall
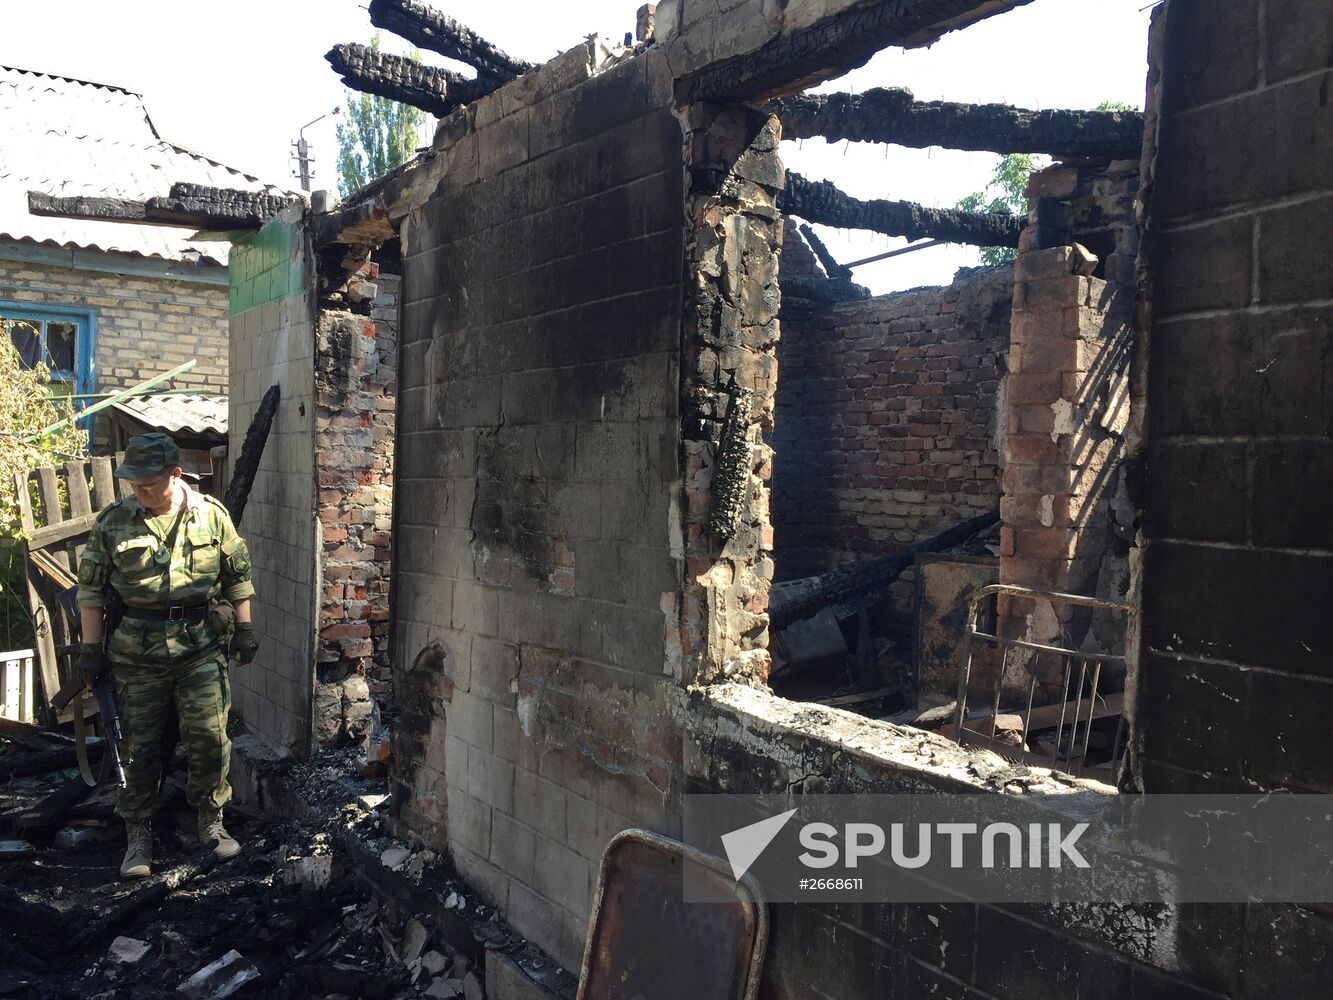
537,477
888,420
145,325
744,740
272,342
356,370
1235,675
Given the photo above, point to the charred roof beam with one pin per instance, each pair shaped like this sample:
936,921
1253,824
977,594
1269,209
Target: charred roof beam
188,206
427,27
822,202
895,116
430,88
832,46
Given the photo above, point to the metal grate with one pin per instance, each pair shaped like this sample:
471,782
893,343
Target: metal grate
1081,678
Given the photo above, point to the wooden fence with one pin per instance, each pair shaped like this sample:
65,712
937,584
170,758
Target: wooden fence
57,528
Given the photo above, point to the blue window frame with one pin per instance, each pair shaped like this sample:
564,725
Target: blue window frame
61,337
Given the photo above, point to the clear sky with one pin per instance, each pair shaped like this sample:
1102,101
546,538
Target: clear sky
236,80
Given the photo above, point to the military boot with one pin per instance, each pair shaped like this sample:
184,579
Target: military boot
213,834
139,852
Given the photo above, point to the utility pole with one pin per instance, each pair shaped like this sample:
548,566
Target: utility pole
303,157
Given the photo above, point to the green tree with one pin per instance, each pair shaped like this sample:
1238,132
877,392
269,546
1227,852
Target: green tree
376,136
1006,192
27,406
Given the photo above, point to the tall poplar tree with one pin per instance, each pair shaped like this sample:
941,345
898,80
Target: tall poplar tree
376,135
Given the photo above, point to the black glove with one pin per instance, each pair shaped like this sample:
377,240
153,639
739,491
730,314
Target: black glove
92,662
244,645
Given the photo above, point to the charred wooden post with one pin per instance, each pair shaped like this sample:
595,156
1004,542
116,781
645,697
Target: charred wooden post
820,201
427,27
731,466
438,91
187,206
252,450
830,47
895,116
861,579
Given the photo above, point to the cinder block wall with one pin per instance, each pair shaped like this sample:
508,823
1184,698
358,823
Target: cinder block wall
1237,661
887,420
272,342
145,326
539,444
1234,670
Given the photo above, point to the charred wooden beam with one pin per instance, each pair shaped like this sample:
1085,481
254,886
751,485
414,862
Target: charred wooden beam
895,116
795,61
860,579
820,201
190,206
427,27
438,91
831,266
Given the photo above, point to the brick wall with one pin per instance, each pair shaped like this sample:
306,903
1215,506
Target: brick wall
1235,671
886,430
538,459
272,340
356,363
145,325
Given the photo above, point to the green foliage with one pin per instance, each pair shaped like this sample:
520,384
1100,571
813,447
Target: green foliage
27,405
1114,106
376,136
1004,194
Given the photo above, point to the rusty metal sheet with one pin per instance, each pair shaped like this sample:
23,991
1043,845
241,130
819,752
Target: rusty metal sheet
646,943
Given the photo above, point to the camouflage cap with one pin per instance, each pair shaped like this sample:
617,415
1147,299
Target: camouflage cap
148,455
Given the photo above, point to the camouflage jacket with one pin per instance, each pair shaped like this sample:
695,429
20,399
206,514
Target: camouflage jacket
127,549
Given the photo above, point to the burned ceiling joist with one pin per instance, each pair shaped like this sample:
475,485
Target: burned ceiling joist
438,91
793,62
822,202
427,27
895,116
190,206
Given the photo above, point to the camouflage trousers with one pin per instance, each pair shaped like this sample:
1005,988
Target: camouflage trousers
146,688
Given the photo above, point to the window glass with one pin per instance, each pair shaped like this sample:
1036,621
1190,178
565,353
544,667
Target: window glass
26,336
60,345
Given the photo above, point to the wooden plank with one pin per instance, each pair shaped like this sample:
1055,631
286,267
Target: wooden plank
104,484
859,698
76,480
48,488
122,486
47,662
52,537
61,577
26,521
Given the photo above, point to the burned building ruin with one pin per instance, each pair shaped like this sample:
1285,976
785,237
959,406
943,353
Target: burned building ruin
607,482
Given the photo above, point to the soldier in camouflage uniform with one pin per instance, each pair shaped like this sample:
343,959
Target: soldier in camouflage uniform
177,563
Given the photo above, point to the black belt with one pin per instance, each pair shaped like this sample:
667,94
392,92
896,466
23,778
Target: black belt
175,613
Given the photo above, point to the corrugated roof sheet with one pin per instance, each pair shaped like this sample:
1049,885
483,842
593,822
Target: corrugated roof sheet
196,413
70,138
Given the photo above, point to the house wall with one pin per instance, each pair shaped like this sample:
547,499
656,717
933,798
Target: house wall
538,463
888,418
1239,390
144,325
272,343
